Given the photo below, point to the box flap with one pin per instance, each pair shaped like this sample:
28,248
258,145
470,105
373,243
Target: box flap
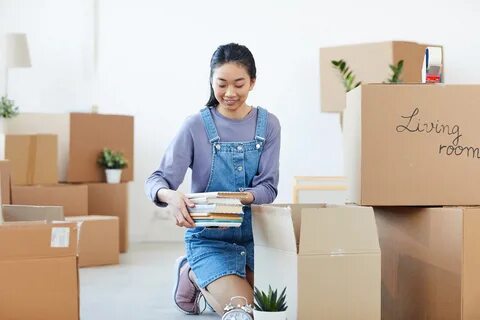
273,227
32,213
414,54
21,240
338,230
352,144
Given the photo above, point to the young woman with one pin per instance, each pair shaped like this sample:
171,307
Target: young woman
230,146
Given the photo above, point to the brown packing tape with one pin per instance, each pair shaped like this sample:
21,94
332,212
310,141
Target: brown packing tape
32,156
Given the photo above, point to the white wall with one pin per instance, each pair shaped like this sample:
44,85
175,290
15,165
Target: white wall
153,62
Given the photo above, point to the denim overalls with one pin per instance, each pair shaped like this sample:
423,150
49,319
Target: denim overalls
216,252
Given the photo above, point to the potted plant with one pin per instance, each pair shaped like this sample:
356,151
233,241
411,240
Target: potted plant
271,305
8,109
113,162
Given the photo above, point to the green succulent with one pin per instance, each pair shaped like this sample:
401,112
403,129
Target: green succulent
348,78
8,109
109,159
397,71
271,302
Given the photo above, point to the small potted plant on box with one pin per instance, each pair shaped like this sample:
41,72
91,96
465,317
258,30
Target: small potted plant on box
271,305
113,162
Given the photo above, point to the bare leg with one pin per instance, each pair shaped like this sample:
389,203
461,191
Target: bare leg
219,292
250,277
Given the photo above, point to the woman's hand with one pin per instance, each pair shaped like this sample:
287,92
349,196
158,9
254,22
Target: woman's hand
179,204
248,199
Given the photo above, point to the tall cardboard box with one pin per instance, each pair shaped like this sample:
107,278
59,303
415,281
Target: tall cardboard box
430,262
81,137
38,271
408,145
72,197
111,200
33,158
328,257
98,241
5,182
370,64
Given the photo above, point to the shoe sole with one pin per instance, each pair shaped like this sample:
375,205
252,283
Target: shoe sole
178,266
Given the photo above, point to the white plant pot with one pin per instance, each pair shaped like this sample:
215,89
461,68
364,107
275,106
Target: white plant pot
113,175
264,315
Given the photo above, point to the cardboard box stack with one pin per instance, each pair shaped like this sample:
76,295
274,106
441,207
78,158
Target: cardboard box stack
411,152
45,149
40,249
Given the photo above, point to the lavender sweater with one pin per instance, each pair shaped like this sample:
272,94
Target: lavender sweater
191,149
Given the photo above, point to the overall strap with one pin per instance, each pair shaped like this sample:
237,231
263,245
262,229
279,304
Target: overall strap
261,130
209,125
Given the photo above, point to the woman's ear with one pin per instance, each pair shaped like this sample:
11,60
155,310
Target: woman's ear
252,84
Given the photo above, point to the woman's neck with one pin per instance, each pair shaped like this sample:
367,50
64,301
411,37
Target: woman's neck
237,114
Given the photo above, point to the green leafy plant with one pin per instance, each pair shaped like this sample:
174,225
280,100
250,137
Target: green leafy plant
348,78
397,71
271,302
8,109
109,159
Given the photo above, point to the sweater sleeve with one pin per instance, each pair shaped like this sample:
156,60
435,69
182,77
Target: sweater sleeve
177,159
265,183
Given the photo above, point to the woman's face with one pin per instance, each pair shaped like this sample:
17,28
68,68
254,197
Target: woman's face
231,85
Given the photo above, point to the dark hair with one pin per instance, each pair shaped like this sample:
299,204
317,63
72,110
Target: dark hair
231,52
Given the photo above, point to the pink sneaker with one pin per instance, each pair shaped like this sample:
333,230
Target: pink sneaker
186,294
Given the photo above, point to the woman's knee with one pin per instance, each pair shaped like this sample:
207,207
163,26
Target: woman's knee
224,288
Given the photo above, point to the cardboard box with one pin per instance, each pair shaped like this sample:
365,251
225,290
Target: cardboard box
430,262
328,257
73,198
410,145
81,137
5,182
111,200
98,242
370,64
33,158
12,213
38,271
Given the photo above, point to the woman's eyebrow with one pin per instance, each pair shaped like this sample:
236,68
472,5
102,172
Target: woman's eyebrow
239,79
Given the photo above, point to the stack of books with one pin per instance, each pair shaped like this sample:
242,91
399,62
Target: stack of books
217,209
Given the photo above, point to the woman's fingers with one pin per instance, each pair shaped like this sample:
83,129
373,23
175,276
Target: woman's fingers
189,202
188,219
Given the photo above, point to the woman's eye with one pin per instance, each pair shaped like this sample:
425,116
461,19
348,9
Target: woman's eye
222,86
238,87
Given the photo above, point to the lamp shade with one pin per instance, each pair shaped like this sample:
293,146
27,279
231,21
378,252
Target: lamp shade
17,55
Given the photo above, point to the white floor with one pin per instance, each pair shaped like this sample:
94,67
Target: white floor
138,288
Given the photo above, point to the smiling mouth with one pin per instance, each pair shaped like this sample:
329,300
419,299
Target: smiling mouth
230,101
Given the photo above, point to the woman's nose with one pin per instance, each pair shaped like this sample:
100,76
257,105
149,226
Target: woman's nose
230,92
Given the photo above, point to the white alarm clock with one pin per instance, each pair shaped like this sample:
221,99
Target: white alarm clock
238,312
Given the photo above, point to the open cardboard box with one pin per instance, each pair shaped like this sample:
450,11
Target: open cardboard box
370,64
328,257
